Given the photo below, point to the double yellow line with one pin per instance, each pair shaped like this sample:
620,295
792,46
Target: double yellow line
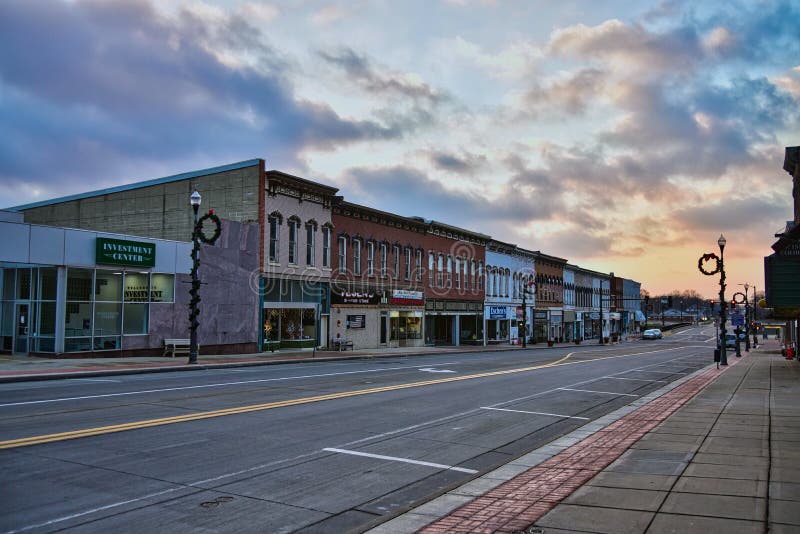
96,431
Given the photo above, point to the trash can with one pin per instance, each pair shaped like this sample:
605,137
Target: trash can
717,355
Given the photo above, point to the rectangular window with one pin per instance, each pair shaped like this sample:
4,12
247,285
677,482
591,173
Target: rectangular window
310,233
396,254
342,254
419,265
430,268
371,259
408,263
273,239
292,242
326,246
356,257
449,271
480,276
440,271
472,273
108,286
162,288
458,273
383,259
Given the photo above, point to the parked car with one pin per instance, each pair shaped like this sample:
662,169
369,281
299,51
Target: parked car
653,333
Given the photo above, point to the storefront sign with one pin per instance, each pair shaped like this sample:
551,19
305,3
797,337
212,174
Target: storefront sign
406,297
594,316
355,297
129,253
520,309
356,321
497,312
541,315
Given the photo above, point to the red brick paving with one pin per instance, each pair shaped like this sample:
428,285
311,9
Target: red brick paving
520,502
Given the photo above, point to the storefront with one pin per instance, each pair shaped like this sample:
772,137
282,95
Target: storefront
540,326
499,323
75,291
453,322
569,326
292,313
556,325
372,317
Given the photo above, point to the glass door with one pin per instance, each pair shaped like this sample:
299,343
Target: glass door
21,328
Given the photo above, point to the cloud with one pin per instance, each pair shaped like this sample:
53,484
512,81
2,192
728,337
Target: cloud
153,88
408,191
359,68
571,95
630,46
463,163
735,214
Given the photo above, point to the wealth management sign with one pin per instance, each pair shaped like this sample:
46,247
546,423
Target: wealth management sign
128,253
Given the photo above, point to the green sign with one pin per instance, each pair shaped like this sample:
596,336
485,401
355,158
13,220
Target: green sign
120,252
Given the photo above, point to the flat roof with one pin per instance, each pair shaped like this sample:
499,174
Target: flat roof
138,185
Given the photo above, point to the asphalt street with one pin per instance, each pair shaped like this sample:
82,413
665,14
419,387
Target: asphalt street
322,447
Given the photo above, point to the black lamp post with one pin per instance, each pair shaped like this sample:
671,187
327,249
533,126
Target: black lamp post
746,317
525,292
194,292
720,268
723,316
601,341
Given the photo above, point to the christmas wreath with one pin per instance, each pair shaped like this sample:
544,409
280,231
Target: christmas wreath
708,257
210,216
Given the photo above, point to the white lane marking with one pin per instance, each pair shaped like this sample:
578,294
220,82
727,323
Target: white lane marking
434,370
600,392
221,384
635,379
660,372
535,413
397,459
93,510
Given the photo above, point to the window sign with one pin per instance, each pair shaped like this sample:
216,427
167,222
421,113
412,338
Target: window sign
121,252
356,321
497,312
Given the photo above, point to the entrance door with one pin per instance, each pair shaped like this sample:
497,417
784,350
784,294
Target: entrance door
21,328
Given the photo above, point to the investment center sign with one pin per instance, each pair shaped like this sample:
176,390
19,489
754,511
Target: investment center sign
129,253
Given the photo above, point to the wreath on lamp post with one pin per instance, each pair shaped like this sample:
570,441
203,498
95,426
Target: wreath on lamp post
706,258
210,216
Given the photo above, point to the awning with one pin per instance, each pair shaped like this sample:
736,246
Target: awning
639,316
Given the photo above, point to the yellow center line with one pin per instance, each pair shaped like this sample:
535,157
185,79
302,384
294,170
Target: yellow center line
83,433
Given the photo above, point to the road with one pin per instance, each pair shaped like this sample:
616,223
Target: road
320,447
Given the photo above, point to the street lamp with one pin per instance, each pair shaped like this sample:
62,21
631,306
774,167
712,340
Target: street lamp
529,289
194,292
746,317
720,268
197,236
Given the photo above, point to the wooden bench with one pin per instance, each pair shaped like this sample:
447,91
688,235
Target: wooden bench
177,346
341,344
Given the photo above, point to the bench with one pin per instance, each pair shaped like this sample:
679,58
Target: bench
177,346
341,344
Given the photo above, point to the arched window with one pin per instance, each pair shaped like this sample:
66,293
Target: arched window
274,220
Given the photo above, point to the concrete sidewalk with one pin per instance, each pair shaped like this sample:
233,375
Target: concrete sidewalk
715,452
27,368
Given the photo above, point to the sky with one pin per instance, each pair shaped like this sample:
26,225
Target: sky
624,136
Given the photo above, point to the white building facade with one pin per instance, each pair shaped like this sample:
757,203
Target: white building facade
509,273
